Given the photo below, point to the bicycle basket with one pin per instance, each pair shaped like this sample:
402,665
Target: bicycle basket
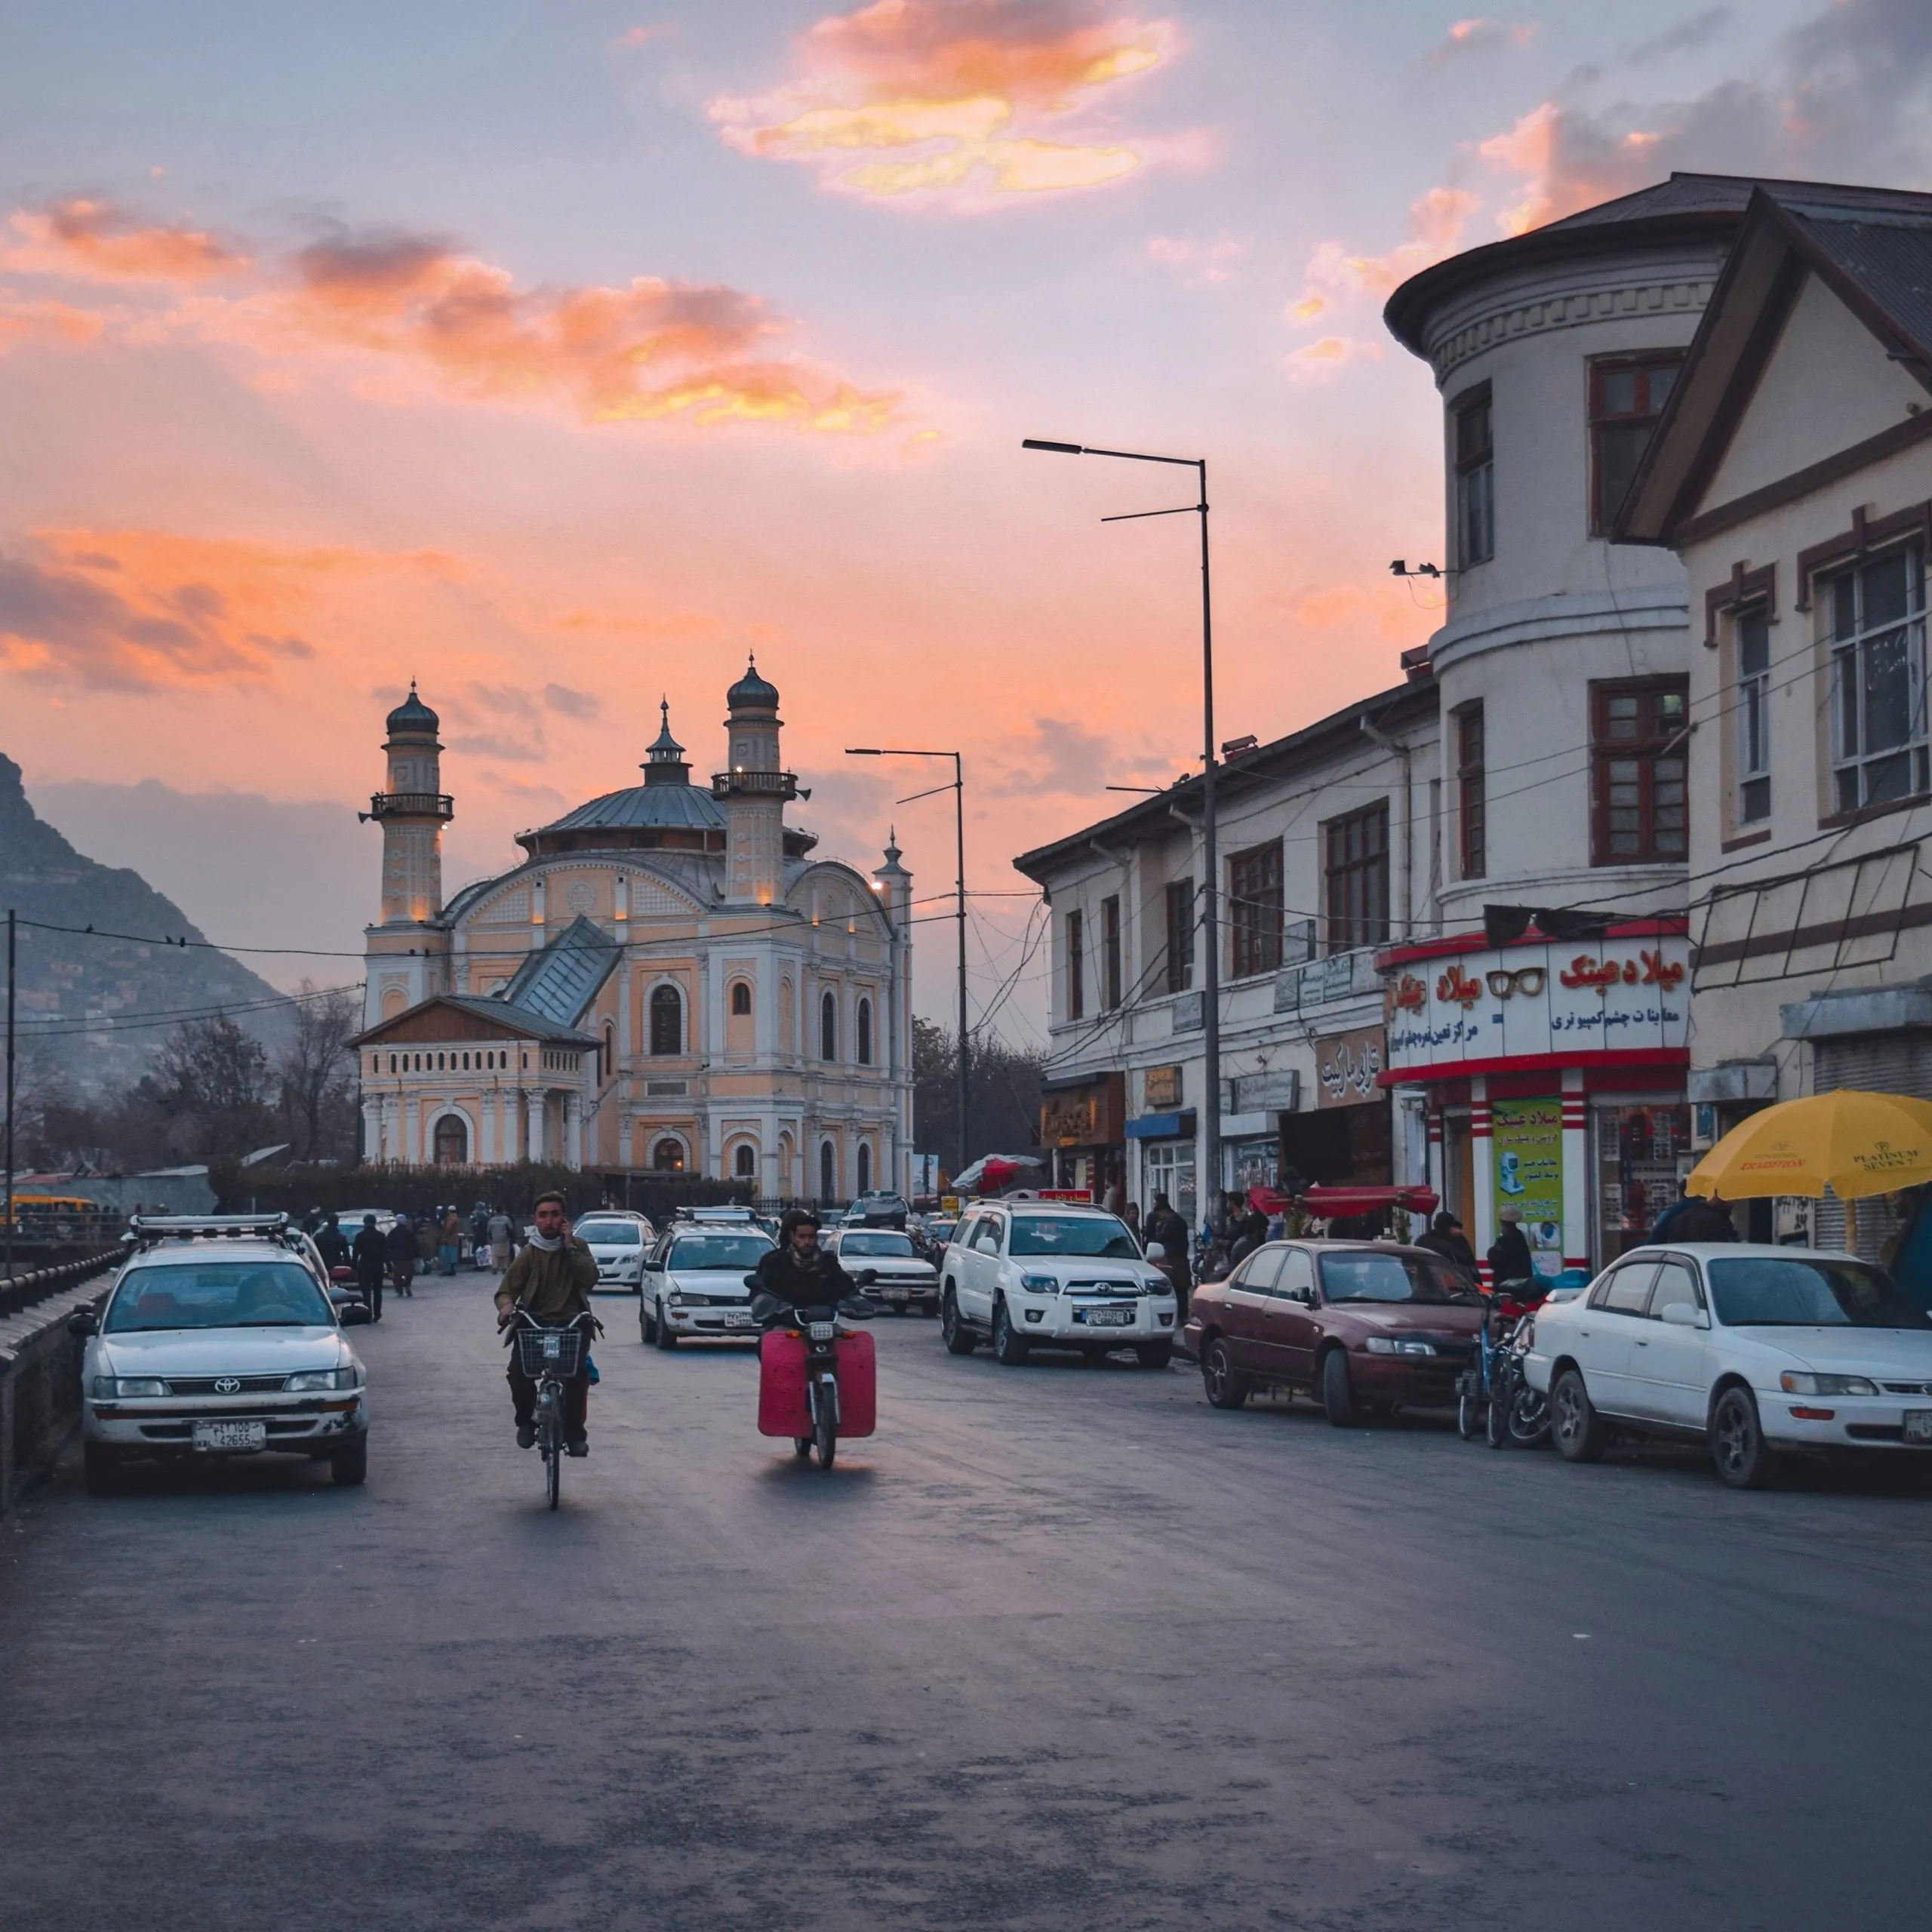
542,1351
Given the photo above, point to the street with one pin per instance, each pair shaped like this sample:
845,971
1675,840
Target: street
1059,1647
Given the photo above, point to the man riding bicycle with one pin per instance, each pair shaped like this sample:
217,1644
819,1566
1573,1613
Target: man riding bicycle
550,1281
799,1273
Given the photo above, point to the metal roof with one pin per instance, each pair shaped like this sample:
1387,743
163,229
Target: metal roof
559,983
683,808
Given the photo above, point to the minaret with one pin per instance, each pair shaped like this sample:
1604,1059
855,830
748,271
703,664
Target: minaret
412,813
664,762
754,791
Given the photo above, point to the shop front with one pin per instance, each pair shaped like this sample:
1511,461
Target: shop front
1552,1077
1345,1138
1081,1127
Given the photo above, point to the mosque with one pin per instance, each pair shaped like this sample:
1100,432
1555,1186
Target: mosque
668,983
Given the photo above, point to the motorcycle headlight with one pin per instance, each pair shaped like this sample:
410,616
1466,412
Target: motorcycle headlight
109,1386
1040,1284
1801,1384
312,1381
1395,1345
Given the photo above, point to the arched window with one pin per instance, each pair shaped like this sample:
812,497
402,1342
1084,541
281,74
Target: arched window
610,1050
865,1168
667,1021
828,1027
668,1156
828,1169
744,1163
865,1031
741,998
452,1142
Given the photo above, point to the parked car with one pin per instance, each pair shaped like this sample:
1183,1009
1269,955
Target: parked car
693,1286
902,1277
219,1338
1047,1274
1760,1352
617,1240
879,1210
1361,1325
349,1220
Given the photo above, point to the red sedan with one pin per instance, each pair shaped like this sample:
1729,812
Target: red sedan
1364,1325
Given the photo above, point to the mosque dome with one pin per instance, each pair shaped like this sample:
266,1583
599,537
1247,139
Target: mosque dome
752,693
412,718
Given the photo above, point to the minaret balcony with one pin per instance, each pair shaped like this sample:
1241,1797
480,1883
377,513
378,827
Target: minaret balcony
412,804
755,785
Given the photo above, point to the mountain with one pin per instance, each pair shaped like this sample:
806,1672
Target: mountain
91,1010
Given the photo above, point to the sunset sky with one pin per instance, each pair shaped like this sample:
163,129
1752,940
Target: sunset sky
558,353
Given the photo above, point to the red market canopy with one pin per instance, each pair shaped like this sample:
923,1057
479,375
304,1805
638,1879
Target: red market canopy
1332,1203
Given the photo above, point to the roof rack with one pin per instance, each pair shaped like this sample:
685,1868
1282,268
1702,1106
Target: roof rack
149,1228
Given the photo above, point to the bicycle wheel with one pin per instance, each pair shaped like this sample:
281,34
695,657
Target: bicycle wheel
1496,1420
550,1433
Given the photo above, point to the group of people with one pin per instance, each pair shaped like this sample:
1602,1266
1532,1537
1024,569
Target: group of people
411,1246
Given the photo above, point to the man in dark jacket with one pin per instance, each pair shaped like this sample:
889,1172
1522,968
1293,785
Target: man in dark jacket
1445,1238
551,1281
369,1251
330,1246
1692,1218
1509,1256
401,1245
1167,1227
798,1273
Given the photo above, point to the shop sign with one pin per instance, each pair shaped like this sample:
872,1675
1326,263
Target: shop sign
1163,1088
1536,1000
1526,1142
1277,1092
1348,1067
1088,1115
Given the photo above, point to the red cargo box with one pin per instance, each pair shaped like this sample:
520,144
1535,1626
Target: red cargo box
782,1407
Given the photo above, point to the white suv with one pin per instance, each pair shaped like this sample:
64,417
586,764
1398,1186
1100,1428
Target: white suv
1045,1274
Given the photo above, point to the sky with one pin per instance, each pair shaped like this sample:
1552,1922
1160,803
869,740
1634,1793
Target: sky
560,354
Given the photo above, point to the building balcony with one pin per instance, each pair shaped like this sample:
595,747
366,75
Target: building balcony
411,804
754,784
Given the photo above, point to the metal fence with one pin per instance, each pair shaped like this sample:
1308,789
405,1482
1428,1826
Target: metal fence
40,1366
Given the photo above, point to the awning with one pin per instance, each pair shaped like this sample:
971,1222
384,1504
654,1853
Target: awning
1163,1126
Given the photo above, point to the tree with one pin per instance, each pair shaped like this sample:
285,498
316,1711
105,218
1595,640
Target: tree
317,1073
1003,1086
212,1082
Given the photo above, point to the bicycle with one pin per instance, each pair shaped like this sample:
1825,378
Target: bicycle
550,1358
1512,1411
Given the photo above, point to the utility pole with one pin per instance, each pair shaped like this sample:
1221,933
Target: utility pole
13,926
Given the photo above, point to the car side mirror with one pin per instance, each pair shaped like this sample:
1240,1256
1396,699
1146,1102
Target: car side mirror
1155,1251
83,1323
1682,1315
352,1315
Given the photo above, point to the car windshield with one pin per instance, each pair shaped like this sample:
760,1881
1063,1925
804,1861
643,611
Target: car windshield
1364,1276
611,1234
741,1252
872,1242
1097,1235
1766,1291
219,1294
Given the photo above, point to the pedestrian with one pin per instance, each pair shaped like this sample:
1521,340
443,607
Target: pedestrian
426,1240
370,1252
1130,1214
479,1235
452,1242
311,1221
1167,1229
1445,1238
400,1243
502,1240
1691,1217
330,1246
1249,1228
1509,1253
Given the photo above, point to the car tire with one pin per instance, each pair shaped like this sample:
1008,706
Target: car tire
647,1329
1009,1345
1338,1394
664,1335
1154,1355
1226,1386
349,1466
1581,1434
1739,1452
1528,1418
959,1339
100,1468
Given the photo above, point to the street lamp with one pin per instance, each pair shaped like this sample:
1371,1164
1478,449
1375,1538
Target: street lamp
958,788
1209,856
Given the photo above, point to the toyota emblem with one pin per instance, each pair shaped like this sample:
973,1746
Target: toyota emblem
227,1385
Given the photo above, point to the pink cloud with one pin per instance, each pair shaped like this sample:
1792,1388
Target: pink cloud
97,241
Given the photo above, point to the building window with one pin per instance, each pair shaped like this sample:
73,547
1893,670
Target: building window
1076,972
741,998
1254,908
865,1168
668,1156
828,1027
1472,791
1637,755
609,1052
864,1030
1627,395
1876,614
667,1021
1750,639
452,1142
1356,865
828,1171
744,1163
1475,479
1180,935
1110,983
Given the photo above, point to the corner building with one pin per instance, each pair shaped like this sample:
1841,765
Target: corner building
668,982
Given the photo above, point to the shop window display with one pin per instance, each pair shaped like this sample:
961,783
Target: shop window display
1641,1151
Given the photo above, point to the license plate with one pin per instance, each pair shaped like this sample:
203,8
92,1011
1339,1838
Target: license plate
893,1294
1918,1425
737,1318
243,1435
1109,1318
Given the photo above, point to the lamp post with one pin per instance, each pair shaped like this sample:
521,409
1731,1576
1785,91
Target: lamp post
1210,855
958,788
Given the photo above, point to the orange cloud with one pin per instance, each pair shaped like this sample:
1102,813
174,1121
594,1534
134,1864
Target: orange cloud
949,103
45,321
99,242
1436,221
1480,36
1330,352
1569,161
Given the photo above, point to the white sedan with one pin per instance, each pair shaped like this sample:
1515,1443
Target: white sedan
617,1242
1760,1352
694,1284
901,1278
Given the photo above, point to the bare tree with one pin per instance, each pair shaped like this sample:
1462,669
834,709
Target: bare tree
214,1081
317,1072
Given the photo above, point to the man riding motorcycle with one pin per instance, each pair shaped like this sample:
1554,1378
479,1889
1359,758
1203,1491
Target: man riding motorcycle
799,1273
551,1281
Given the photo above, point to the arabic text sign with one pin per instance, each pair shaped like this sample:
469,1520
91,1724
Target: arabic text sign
1527,1147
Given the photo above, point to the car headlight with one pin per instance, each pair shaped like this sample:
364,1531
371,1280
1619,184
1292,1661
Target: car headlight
1391,1345
312,1380
1040,1284
1800,1384
1156,1284
109,1386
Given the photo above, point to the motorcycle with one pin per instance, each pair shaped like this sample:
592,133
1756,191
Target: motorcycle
817,1379
1494,1385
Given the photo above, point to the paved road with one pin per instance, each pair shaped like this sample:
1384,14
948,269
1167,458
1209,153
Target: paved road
1060,1648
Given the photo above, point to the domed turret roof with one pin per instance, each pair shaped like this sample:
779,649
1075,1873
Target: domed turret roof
412,717
752,693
